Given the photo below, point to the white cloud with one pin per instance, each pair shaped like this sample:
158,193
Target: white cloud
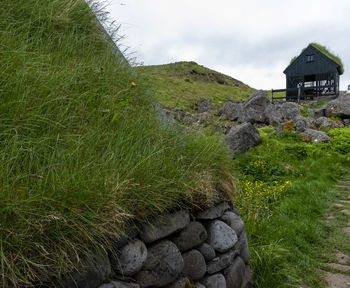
254,39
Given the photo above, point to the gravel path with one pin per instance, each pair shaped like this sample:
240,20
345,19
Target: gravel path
338,274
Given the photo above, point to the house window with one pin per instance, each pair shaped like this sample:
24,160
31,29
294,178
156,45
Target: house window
310,58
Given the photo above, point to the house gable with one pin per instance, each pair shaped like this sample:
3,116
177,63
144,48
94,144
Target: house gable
318,63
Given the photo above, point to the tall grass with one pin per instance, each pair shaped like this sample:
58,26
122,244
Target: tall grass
288,240
82,151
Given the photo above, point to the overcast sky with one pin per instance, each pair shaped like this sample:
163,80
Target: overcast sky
250,40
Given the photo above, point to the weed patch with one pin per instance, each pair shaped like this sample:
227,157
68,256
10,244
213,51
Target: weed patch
284,192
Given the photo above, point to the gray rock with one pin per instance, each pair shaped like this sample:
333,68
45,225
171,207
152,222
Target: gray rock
214,281
213,212
235,273
248,281
231,111
130,233
203,119
204,105
108,285
243,137
199,285
131,259
193,235
97,269
317,113
164,226
254,108
180,283
243,247
207,251
221,236
339,107
236,211
195,266
234,221
346,122
280,113
163,266
221,262
120,284
315,136
324,122
303,123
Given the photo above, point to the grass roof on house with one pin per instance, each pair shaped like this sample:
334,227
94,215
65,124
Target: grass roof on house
326,52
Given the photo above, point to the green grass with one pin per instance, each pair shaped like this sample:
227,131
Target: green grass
305,106
82,151
287,240
182,84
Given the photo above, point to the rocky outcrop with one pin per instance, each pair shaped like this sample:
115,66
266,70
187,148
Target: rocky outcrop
311,135
231,110
339,107
254,108
280,113
204,105
324,122
243,137
184,117
211,250
317,113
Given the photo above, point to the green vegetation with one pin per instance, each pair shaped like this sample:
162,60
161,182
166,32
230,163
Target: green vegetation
326,52
305,106
285,194
82,150
182,84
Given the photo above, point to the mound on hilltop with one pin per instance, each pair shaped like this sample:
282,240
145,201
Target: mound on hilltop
83,151
182,84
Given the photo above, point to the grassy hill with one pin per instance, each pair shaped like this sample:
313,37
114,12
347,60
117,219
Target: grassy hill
182,84
82,150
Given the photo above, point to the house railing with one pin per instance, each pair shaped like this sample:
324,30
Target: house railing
301,93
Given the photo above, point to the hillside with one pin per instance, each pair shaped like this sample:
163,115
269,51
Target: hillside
182,84
82,150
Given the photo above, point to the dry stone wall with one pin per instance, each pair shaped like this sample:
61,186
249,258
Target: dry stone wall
178,250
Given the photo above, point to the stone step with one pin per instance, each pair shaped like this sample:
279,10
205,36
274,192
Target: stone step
340,267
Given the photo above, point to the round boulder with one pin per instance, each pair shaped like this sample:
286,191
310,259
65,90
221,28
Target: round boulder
193,235
214,281
163,266
132,257
243,137
207,251
234,221
195,266
221,236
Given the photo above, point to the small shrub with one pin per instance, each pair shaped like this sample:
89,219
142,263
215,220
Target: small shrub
341,140
296,151
257,197
257,169
289,126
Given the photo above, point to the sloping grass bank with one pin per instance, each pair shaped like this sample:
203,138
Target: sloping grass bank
182,84
83,151
285,194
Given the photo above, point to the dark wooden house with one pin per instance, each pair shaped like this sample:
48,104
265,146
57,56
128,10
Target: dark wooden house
313,73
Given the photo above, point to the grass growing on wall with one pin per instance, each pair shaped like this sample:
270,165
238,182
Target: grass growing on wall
285,192
82,149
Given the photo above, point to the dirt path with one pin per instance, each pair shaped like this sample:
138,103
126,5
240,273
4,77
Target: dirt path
337,271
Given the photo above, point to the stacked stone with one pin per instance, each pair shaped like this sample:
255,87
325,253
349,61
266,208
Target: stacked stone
180,250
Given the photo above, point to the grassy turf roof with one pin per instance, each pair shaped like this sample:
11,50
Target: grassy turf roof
326,52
